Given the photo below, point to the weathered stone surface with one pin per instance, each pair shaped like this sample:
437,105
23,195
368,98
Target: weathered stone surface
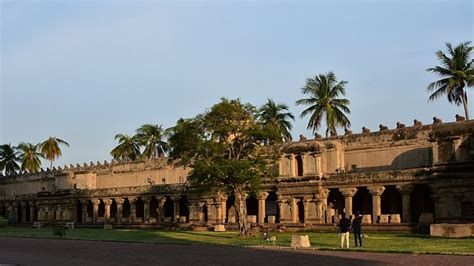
367,219
219,228
426,218
383,218
395,218
452,230
182,219
300,241
108,227
271,219
252,218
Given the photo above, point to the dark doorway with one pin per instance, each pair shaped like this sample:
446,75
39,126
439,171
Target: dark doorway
183,207
362,201
391,201
300,205
299,165
78,211
271,206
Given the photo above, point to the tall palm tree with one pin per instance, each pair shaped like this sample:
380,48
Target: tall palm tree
9,159
128,148
151,137
276,117
51,150
456,72
323,91
30,157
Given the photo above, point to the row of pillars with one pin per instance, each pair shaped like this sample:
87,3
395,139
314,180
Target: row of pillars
12,210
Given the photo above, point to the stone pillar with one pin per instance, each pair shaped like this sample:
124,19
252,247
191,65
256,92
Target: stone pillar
406,190
161,210
23,212
107,203
175,217
261,207
84,210
294,210
146,209
32,211
293,169
321,199
15,211
376,192
194,212
133,209
309,214
348,193
119,213
95,210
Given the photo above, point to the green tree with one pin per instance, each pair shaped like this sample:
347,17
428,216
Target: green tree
323,91
128,148
9,159
151,137
276,118
456,72
30,157
51,150
223,148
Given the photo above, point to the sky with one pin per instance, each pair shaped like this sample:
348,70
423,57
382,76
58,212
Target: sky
84,71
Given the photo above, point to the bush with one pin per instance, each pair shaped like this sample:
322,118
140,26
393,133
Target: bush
3,221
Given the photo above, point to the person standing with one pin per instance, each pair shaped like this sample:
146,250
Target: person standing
344,226
357,228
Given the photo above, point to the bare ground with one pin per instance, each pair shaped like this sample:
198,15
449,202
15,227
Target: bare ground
25,251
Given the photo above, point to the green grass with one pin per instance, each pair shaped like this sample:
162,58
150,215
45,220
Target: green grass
376,242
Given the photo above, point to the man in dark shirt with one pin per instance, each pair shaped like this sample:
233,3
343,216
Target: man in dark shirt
357,228
344,227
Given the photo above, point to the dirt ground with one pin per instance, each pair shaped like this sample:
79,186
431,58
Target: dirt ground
24,251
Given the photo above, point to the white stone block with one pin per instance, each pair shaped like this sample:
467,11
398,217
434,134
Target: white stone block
107,227
300,241
252,218
383,219
219,228
367,219
271,219
395,218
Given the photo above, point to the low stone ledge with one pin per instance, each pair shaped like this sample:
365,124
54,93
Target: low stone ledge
452,230
300,241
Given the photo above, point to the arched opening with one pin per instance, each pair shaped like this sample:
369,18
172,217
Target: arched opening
335,205
78,211
362,201
391,201
420,201
4,211
183,207
113,211
300,206
90,210
252,207
271,207
139,210
205,212
101,211
299,165
169,208
153,208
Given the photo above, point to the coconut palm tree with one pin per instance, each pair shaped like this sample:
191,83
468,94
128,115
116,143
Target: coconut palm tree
275,117
30,157
9,159
51,150
323,91
128,148
456,72
151,137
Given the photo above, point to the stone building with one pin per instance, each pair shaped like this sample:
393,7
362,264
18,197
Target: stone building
405,176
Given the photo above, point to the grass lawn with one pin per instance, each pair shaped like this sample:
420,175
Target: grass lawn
376,242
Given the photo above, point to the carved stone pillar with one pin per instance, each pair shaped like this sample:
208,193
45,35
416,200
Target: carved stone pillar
376,192
224,208
321,198
406,190
294,210
309,211
32,211
84,210
348,193
23,212
95,210
119,213
107,203
175,217
284,209
261,207
146,209
133,209
161,210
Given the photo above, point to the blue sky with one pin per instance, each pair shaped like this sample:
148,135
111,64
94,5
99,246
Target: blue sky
86,70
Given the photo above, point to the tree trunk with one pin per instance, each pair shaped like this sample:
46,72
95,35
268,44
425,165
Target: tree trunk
464,103
241,212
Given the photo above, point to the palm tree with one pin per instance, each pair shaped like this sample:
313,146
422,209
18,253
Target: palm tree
51,150
456,72
151,136
9,159
276,117
128,148
323,91
30,157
